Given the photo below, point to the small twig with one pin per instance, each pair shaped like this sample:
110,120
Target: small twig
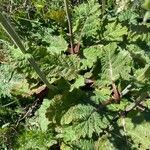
142,107
136,103
9,104
126,90
25,19
28,113
69,25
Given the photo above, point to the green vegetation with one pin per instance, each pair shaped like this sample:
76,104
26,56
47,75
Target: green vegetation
74,75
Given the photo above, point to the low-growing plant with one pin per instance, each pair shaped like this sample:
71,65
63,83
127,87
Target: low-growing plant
86,85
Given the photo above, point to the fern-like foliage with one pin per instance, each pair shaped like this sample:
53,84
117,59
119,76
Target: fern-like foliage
32,140
8,79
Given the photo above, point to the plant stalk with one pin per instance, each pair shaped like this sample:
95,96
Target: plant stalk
69,25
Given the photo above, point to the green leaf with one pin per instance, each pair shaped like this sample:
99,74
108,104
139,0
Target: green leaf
86,122
57,44
131,131
146,16
116,63
8,80
81,111
115,32
87,21
128,15
143,74
80,81
42,120
146,4
67,133
101,95
57,66
91,54
93,124
35,140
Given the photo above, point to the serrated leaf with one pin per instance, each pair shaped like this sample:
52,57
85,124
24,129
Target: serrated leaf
81,111
132,132
87,21
80,81
115,32
8,80
115,63
143,74
57,66
101,95
128,15
92,125
91,54
67,133
57,44
86,121
35,140
42,119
